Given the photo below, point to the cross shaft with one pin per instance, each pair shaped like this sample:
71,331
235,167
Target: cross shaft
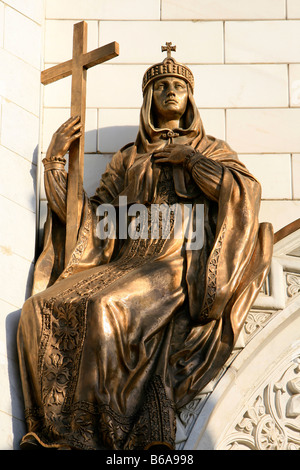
77,67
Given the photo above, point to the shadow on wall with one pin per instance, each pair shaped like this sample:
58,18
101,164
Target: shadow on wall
35,180
112,138
109,141
15,407
15,388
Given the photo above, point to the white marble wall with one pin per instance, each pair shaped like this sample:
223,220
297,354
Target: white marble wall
20,58
244,54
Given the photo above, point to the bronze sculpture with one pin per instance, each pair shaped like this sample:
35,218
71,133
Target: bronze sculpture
111,345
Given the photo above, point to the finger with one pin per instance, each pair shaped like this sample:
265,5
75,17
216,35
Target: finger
70,122
161,154
74,129
162,157
171,146
163,160
162,150
73,122
75,136
74,118
68,133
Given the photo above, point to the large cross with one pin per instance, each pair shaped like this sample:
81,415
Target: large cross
77,67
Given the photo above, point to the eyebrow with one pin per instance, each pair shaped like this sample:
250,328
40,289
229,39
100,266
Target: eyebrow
162,80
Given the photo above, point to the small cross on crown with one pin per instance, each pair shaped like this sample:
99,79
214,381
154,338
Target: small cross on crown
169,48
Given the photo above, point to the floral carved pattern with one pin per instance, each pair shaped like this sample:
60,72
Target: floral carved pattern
212,275
56,378
293,284
268,435
272,422
64,327
255,321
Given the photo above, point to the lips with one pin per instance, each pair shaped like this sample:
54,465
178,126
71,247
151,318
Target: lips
171,101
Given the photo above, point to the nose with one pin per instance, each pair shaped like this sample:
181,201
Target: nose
171,91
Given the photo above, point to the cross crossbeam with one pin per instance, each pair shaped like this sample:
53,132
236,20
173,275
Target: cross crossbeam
88,60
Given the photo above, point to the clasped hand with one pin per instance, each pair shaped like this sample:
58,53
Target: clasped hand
173,153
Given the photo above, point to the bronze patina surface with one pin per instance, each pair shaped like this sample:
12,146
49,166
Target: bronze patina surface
131,329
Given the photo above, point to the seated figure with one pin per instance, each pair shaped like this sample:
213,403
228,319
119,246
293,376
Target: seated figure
112,344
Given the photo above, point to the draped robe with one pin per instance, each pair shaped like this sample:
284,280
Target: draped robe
114,343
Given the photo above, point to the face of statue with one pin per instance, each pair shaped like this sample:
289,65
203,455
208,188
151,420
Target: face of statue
170,96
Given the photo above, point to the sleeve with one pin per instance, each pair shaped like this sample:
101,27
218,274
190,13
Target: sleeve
207,174
55,181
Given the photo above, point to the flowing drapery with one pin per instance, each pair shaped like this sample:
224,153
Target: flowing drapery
112,344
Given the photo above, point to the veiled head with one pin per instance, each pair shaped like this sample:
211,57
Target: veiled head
168,89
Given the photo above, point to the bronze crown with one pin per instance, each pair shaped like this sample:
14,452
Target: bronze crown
169,67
